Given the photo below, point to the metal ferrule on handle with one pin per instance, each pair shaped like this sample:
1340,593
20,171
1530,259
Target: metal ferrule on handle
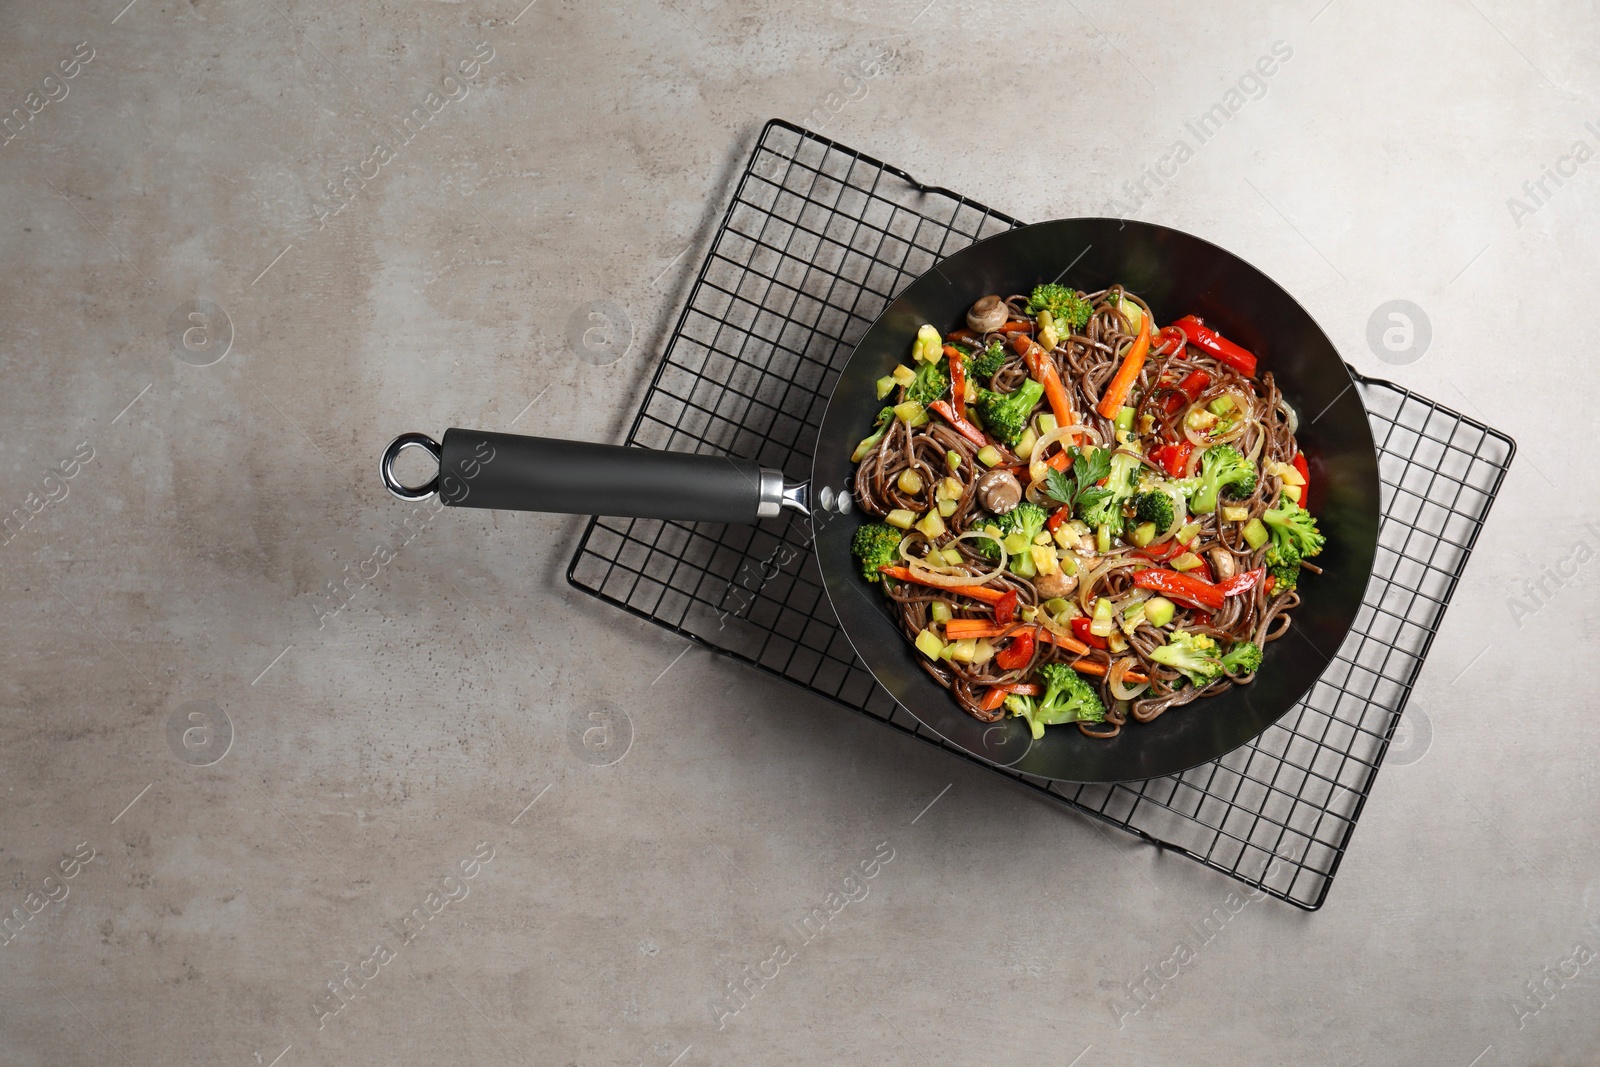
478,469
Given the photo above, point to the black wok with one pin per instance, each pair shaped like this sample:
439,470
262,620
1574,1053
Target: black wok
1176,274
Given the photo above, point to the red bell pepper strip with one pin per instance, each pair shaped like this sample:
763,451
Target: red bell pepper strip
962,426
1173,458
1305,474
1204,337
1005,609
1116,393
1194,383
1162,551
1017,654
1057,517
958,378
976,592
1171,336
1177,584
1043,368
1242,582
1080,630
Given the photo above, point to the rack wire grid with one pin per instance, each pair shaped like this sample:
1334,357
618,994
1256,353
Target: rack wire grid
817,240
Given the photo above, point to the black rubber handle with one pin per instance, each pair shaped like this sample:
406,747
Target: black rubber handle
478,469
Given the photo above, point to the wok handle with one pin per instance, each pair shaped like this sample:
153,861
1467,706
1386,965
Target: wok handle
479,469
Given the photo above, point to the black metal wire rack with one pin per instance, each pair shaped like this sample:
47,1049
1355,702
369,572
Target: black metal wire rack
817,240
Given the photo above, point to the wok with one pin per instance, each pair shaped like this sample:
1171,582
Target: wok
1176,274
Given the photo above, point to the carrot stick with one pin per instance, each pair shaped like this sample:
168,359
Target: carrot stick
957,629
976,592
1043,368
1122,382
992,699
1071,644
1098,669
1015,326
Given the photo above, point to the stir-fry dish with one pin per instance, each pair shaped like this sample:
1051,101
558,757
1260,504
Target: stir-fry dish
1083,518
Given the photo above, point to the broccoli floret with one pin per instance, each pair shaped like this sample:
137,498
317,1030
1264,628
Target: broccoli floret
1154,507
1242,658
885,417
931,383
1006,414
1222,467
1063,303
1193,655
874,545
1292,526
1025,519
1283,563
1122,481
1067,698
983,364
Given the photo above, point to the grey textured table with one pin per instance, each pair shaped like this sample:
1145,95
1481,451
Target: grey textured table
296,774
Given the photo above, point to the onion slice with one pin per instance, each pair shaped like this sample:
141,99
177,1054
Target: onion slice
1114,677
951,577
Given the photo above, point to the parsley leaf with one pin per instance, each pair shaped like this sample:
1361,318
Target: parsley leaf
1079,491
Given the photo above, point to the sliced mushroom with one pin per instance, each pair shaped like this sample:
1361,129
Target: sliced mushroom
1054,585
989,313
1222,564
999,491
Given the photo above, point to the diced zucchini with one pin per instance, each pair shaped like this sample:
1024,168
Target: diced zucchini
949,489
1221,405
952,459
947,508
1056,605
988,455
1188,532
1143,534
932,525
1102,622
1015,542
1102,538
909,481
1047,424
929,346
1069,566
1025,444
1022,565
1124,418
1255,533
1044,559
1147,423
885,385
1200,420
901,518
1185,561
965,650
984,653
939,611
1292,492
953,557
1116,642
911,413
1041,538
1047,331
1132,616
1158,611
929,645
902,375
1234,513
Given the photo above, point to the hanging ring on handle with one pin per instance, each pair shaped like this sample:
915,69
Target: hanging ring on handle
390,454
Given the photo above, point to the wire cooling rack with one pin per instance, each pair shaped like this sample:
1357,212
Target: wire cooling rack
818,239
